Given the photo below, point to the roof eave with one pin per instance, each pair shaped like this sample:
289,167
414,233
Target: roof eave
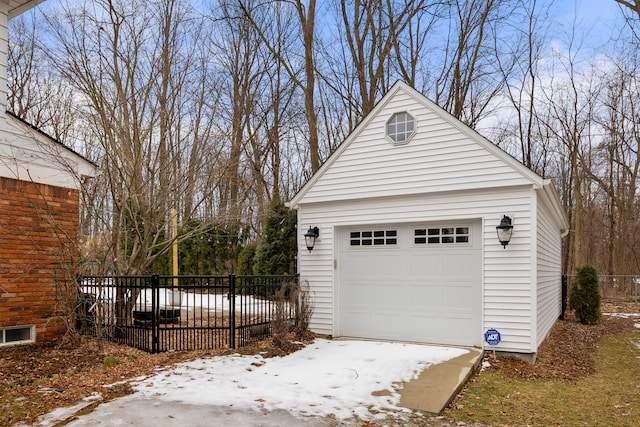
22,7
89,167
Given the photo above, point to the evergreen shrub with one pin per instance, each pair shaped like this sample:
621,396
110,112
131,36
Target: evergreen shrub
584,297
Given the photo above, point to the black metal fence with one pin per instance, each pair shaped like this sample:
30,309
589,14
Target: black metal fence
162,313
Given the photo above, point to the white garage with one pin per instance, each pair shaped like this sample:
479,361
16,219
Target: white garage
402,220
416,282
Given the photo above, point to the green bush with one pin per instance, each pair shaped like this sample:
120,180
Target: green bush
584,298
246,260
276,253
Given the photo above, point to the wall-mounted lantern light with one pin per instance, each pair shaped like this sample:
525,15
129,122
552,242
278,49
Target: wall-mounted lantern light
505,229
310,237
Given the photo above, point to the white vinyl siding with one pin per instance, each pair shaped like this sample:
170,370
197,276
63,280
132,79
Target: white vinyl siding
28,155
549,271
439,157
507,272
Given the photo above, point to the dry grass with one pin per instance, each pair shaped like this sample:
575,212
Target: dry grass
609,397
585,375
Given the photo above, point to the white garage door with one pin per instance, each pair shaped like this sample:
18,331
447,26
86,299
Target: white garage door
419,282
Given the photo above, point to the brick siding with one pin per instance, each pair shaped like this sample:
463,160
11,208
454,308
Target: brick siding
38,246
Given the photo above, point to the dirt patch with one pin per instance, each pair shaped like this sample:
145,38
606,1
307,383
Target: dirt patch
567,353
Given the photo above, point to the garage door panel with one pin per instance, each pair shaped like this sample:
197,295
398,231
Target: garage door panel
463,265
381,320
427,296
411,292
362,262
454,302
425,328
424,265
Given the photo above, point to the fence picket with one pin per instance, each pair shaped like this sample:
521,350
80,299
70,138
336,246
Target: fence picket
202,312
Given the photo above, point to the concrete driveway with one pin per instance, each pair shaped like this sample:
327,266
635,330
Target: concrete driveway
329,383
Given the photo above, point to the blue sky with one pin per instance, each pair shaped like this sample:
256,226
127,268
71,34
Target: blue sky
596,20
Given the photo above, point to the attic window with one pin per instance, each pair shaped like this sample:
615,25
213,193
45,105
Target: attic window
400,127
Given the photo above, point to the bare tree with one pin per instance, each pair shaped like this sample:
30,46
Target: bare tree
468,80
240,54
567,114
521,72
306,14
619,165
634,6
372,31
36,93
132,85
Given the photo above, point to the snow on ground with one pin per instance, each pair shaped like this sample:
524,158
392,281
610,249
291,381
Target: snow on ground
324,378
625,316
220,302
622,315
185,300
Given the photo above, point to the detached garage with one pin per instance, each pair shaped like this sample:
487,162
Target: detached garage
403,220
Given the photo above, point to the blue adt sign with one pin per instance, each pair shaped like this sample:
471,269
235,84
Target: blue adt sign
492,337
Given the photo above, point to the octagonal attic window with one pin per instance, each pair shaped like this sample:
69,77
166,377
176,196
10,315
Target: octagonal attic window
400,127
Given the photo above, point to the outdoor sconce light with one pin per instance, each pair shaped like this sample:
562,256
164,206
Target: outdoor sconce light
310,237
505,229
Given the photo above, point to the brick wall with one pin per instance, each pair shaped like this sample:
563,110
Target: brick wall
38,246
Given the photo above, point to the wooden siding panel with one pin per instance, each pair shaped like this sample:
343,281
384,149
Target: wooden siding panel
507,272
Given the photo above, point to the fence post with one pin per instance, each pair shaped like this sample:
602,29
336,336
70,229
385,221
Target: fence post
155,317
565,291
232,310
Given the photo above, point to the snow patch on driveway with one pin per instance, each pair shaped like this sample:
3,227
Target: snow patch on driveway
326,378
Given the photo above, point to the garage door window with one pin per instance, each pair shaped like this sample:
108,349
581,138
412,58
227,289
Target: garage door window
441,235
373,238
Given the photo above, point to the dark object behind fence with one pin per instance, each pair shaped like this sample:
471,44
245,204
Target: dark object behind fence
162,313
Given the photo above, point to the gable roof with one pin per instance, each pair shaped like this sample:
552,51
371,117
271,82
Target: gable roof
506,159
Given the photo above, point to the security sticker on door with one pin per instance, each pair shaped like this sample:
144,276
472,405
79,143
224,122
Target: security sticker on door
492,337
